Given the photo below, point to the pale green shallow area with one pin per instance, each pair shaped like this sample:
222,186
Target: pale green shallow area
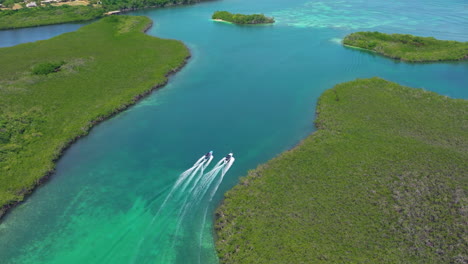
248,89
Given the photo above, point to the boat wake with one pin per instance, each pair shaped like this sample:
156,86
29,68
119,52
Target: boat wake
182,215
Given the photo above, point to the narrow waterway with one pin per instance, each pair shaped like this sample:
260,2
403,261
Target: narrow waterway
250,90
12,37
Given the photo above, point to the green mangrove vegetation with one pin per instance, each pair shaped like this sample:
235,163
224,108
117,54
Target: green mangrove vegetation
53,91
382,180
242,19
134,5
39,16
47,67
48,14
407,47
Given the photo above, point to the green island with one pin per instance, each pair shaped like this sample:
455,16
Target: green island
242,19
408,47
53,91
382,180
77,11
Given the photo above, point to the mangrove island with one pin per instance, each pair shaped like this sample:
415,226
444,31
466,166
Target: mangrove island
53,91
380,181
242,19
407,47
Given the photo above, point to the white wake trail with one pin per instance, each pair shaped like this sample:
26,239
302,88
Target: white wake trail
201,189
197,180
210,176
186,173
182,177
198,171
225,169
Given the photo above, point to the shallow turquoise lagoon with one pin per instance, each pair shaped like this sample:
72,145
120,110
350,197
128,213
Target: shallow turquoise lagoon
250,90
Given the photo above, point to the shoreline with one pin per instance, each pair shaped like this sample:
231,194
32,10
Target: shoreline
99,17
235,218
80,21
401,59
223,21
5,209
232,23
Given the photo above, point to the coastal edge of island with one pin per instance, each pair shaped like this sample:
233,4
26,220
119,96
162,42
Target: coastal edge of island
408,48
241,19
26,192
379,182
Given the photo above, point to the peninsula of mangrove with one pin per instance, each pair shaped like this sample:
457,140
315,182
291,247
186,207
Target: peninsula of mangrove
47,15
242,19
16,14
383,180
54,91
407,47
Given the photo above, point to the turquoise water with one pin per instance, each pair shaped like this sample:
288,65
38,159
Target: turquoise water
247,89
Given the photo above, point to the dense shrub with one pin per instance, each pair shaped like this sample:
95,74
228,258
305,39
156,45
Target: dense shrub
41,114
383,180
242,19
408,47
47,67
46,15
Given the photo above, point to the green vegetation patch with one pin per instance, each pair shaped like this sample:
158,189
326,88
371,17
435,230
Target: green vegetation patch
408,47
47,67
242,19
107,65
39,16
383,180
48,14
133,5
